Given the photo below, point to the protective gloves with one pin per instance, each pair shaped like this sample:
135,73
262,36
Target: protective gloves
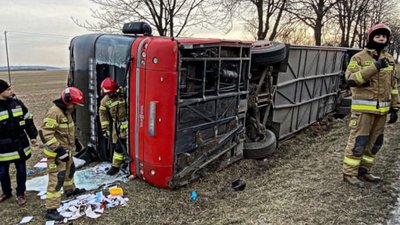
106,134
382,63
393,115
62,154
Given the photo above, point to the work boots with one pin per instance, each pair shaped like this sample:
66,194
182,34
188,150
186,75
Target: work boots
113,171
371,178
365,175
4,197
21,200
53,214
353,180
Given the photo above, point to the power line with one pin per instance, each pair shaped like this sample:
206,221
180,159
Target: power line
50,41
45,34
38,37
21,37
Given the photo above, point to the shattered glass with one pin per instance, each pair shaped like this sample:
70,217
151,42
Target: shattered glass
90,179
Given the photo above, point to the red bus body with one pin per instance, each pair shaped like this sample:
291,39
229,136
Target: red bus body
152,109
154,73
197,105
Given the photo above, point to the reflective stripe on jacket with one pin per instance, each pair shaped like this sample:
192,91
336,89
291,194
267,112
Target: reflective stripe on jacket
114,107
15,123
377,90
58,129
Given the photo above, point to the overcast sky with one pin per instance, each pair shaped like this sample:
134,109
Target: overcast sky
39,31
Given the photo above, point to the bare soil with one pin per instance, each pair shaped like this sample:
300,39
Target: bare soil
300,184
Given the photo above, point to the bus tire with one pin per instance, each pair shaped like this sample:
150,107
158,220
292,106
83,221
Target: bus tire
260,149
267,53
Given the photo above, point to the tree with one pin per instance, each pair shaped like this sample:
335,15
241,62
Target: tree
295,33
349,13
377,11
331,35
313,13
394,25
167,17
287,31
382,11
269,22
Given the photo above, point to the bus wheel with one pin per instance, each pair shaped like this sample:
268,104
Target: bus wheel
267,53
260,149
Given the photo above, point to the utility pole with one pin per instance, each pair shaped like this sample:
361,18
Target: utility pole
8,62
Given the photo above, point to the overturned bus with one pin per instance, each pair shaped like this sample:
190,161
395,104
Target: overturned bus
196,105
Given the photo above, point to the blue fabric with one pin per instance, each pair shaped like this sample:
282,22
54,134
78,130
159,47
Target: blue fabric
21,177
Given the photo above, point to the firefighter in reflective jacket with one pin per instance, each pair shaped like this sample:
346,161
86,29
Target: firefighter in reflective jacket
16,122
371,76
58,135
113,120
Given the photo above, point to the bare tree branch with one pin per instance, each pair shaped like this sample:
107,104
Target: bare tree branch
167,17
315,18
268,14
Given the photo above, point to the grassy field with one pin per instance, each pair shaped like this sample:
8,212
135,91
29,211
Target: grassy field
302,183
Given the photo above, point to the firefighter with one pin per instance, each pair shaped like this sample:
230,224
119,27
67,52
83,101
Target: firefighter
371,76
58,135
15,123
113,120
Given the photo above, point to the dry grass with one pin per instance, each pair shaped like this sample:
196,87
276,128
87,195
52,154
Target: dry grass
302,183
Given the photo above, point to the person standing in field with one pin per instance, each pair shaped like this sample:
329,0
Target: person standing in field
16,122
58,135
371,76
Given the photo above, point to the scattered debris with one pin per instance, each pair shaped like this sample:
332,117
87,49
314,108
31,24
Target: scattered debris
37,169
116,191
91,205
26,219
193,196
52,222
42,194
78,162
90,179
102,168
238,185
41,164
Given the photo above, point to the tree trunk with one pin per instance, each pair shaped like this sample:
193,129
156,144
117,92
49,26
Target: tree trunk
260,13
171,25
318,32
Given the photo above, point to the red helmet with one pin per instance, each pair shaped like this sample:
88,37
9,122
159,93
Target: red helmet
109,85
72,95
379,28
